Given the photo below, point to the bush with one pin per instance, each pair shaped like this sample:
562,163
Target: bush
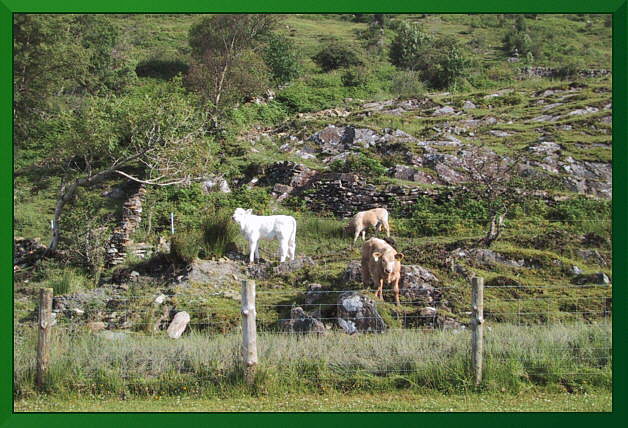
570,69
219,233
281,58
335,55
355,77
186,245
440,60
407,84
359,164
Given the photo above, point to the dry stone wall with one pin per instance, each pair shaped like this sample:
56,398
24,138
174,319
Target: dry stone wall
346,194
120,244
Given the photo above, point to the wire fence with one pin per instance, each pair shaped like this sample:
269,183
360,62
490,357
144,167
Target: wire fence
546,330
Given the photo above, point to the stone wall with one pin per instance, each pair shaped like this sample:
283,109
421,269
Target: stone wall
346,194
119,244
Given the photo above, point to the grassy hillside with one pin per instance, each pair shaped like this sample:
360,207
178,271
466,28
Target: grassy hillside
556,238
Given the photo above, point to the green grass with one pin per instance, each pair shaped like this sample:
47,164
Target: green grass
398,401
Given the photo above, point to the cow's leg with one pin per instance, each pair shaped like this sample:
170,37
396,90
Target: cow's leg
378,227
357,233
396,290
283,248
364,234
253,244
380,288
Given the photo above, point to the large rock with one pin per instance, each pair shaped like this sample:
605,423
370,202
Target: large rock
178,324
358,314
214,274
302,323
594,278
269,269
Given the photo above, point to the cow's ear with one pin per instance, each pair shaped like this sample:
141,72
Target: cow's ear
399,256
376,256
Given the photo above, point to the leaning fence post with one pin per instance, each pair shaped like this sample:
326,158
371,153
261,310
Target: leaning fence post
477,334
44,321
249,332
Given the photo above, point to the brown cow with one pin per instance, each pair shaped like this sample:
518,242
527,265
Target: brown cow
377,217
381,264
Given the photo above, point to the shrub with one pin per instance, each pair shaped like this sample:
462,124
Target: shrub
355,77
219,233
359,163
570,69
281,58
186,245
440,60
407,84
335,55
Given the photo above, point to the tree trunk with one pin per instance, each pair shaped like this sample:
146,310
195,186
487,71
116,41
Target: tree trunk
66,194
494,231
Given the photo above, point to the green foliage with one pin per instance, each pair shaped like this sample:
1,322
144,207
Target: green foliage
570,69
356,76
281,58
407,84
66,282
336,55
409,42
186,245
359,164
440,60
219,233
87,229
580,209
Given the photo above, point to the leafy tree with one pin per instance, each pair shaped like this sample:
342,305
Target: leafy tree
334,56
440,60
223,48
281,58
152,136
495,181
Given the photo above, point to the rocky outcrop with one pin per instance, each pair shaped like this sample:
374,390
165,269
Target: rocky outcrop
358,314
530,71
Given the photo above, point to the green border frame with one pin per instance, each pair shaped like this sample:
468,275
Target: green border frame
619,8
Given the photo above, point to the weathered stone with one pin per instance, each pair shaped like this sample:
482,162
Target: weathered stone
215,184
546,148
358,314
443,111
500,134
214,274
353,272
592,256
594,278
582,111
302,323
313,294
178,325
468,105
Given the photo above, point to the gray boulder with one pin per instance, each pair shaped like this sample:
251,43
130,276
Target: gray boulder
358,314
594,278
302,323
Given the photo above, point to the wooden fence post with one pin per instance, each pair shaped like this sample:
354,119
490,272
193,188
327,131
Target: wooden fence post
477,334
44,321
249,332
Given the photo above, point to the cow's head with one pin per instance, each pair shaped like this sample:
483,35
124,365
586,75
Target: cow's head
239,214
388,260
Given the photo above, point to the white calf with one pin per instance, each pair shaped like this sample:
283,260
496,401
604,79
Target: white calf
256,227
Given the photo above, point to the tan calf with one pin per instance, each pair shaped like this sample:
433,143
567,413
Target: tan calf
377,217
381,264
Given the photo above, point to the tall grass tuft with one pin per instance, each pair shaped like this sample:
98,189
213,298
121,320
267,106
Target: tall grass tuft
219,233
